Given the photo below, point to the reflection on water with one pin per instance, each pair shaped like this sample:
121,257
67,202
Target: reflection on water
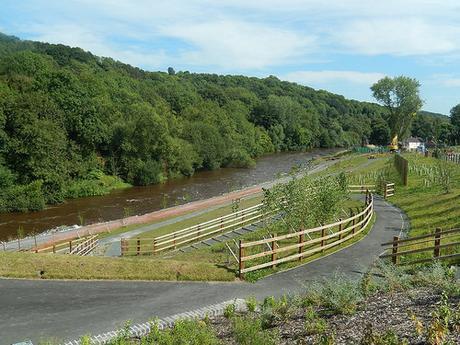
140,200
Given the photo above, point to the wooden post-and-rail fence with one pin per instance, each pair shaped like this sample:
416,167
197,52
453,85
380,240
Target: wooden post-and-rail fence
415,249
296,246
82,246
227,223
176,239
387,188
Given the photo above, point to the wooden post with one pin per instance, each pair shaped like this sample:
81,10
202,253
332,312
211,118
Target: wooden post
437,242
54,249
241,254
301,240
395,258
174,242
273,250
154,246
353,222
138,252
123,247
323,233
340,228
385,190
70,246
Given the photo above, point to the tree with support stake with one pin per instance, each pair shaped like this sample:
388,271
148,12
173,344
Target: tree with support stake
401,97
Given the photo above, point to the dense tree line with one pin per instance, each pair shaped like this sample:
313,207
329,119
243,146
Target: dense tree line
69,120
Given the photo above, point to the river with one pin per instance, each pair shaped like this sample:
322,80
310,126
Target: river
140,200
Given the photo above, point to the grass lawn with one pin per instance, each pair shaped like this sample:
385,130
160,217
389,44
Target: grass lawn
29,265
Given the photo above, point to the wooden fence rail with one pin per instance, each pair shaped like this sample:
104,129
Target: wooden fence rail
65,247
430,243
295,247
85,247
227,223
387,188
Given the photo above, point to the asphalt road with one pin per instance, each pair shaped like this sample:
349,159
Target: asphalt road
65,310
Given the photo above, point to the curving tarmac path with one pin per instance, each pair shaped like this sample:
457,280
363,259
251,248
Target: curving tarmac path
41,309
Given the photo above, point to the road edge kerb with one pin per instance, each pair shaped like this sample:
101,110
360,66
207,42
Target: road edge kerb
142,329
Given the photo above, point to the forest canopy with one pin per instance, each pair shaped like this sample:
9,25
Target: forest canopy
74,124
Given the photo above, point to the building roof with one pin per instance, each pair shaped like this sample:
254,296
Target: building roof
413,140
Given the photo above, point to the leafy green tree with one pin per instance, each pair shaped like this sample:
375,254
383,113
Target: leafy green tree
401,96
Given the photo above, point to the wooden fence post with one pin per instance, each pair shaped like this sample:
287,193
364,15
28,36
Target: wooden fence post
353,222
437,242
340,228
323,233
54,249
273,250
385,190
395,258
138,250
154,246
70,246
301,240
241,254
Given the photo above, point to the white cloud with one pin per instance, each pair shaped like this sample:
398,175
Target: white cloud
445,80
326,77
398,37
236,44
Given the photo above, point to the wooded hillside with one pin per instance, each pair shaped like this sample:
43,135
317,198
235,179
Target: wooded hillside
74,124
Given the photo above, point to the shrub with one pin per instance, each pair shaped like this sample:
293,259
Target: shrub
249,331
191,332
339,295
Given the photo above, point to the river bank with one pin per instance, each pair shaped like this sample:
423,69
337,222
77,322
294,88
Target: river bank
175,211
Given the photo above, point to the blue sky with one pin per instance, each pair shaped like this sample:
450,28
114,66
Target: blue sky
340,46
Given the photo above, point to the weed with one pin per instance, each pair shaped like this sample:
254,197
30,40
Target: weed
251,304
230,311
313,323
268,303
191,332
371,337
326,339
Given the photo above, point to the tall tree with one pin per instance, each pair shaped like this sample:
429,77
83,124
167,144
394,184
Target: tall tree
401,96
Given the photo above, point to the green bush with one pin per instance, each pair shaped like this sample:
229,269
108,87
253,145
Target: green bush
22,198
338,295
249,331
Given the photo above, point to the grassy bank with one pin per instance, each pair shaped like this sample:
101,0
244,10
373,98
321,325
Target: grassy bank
49,266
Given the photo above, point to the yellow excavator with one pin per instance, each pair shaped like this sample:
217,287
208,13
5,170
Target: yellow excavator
394,144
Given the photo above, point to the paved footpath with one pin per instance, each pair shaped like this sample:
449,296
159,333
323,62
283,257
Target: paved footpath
65,310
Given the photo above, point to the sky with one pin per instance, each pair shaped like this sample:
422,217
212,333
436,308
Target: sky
340,46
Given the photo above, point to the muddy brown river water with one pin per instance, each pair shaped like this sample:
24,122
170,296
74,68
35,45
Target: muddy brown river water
140,200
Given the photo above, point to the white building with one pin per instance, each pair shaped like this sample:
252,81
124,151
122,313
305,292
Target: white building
414,144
